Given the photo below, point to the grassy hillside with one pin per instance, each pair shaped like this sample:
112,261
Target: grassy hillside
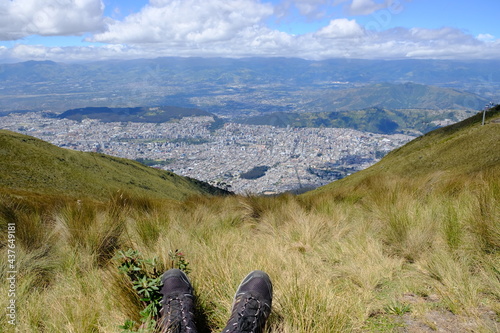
464,149
28,164
409,245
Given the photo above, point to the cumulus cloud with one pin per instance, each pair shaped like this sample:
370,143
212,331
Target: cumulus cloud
21,18
344,38
341,38
186,21
341,28
233,28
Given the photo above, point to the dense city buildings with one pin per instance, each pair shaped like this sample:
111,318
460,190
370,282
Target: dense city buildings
242,158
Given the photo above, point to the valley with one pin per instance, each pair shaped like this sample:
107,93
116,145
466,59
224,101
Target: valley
298,159
409,244
307,122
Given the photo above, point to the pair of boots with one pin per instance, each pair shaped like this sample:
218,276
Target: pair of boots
251,306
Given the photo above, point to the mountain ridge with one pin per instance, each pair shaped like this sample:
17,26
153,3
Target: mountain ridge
406,95
225,86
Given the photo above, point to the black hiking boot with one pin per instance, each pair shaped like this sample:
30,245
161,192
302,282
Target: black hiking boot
252,304
177,312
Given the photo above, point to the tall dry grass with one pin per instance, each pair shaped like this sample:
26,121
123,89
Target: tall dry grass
338,261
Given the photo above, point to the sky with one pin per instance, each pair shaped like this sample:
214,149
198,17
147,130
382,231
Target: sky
83,30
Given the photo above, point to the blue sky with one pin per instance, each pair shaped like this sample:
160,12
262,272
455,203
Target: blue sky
71,30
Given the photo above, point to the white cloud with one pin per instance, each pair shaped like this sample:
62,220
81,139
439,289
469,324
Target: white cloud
21,52
21,18
186,21
340,39
397,43
485,37
341,28
237,28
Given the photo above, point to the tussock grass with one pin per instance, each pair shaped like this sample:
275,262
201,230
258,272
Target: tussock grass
337,263
82,228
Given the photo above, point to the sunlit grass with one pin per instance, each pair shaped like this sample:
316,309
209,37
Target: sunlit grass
337,264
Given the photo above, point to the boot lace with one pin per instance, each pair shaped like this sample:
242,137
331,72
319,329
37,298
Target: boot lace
248,317
176,318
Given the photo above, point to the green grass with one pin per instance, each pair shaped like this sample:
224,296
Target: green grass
342,259
32,165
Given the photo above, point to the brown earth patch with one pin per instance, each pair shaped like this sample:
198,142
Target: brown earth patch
446,321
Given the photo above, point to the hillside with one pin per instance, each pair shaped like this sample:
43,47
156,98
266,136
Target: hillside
32,165
399,96
463,149
379,108
375,120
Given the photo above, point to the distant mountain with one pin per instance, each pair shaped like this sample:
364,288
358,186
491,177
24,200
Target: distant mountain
136,114
451,154
398,96
30,165
375,120
233,86
392,108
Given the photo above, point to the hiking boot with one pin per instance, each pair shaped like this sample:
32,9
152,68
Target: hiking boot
252,304
177,311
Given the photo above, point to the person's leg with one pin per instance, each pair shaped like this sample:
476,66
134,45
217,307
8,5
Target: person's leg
252,304
177,312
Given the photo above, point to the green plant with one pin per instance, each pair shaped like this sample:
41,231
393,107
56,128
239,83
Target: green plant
179,261
145,276
128,326
397,308
382,324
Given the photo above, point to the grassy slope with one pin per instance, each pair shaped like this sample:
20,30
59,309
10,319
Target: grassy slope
465,148
29,164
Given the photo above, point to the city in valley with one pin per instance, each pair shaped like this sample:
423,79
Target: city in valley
246,159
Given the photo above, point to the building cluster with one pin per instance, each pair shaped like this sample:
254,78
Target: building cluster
189,147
